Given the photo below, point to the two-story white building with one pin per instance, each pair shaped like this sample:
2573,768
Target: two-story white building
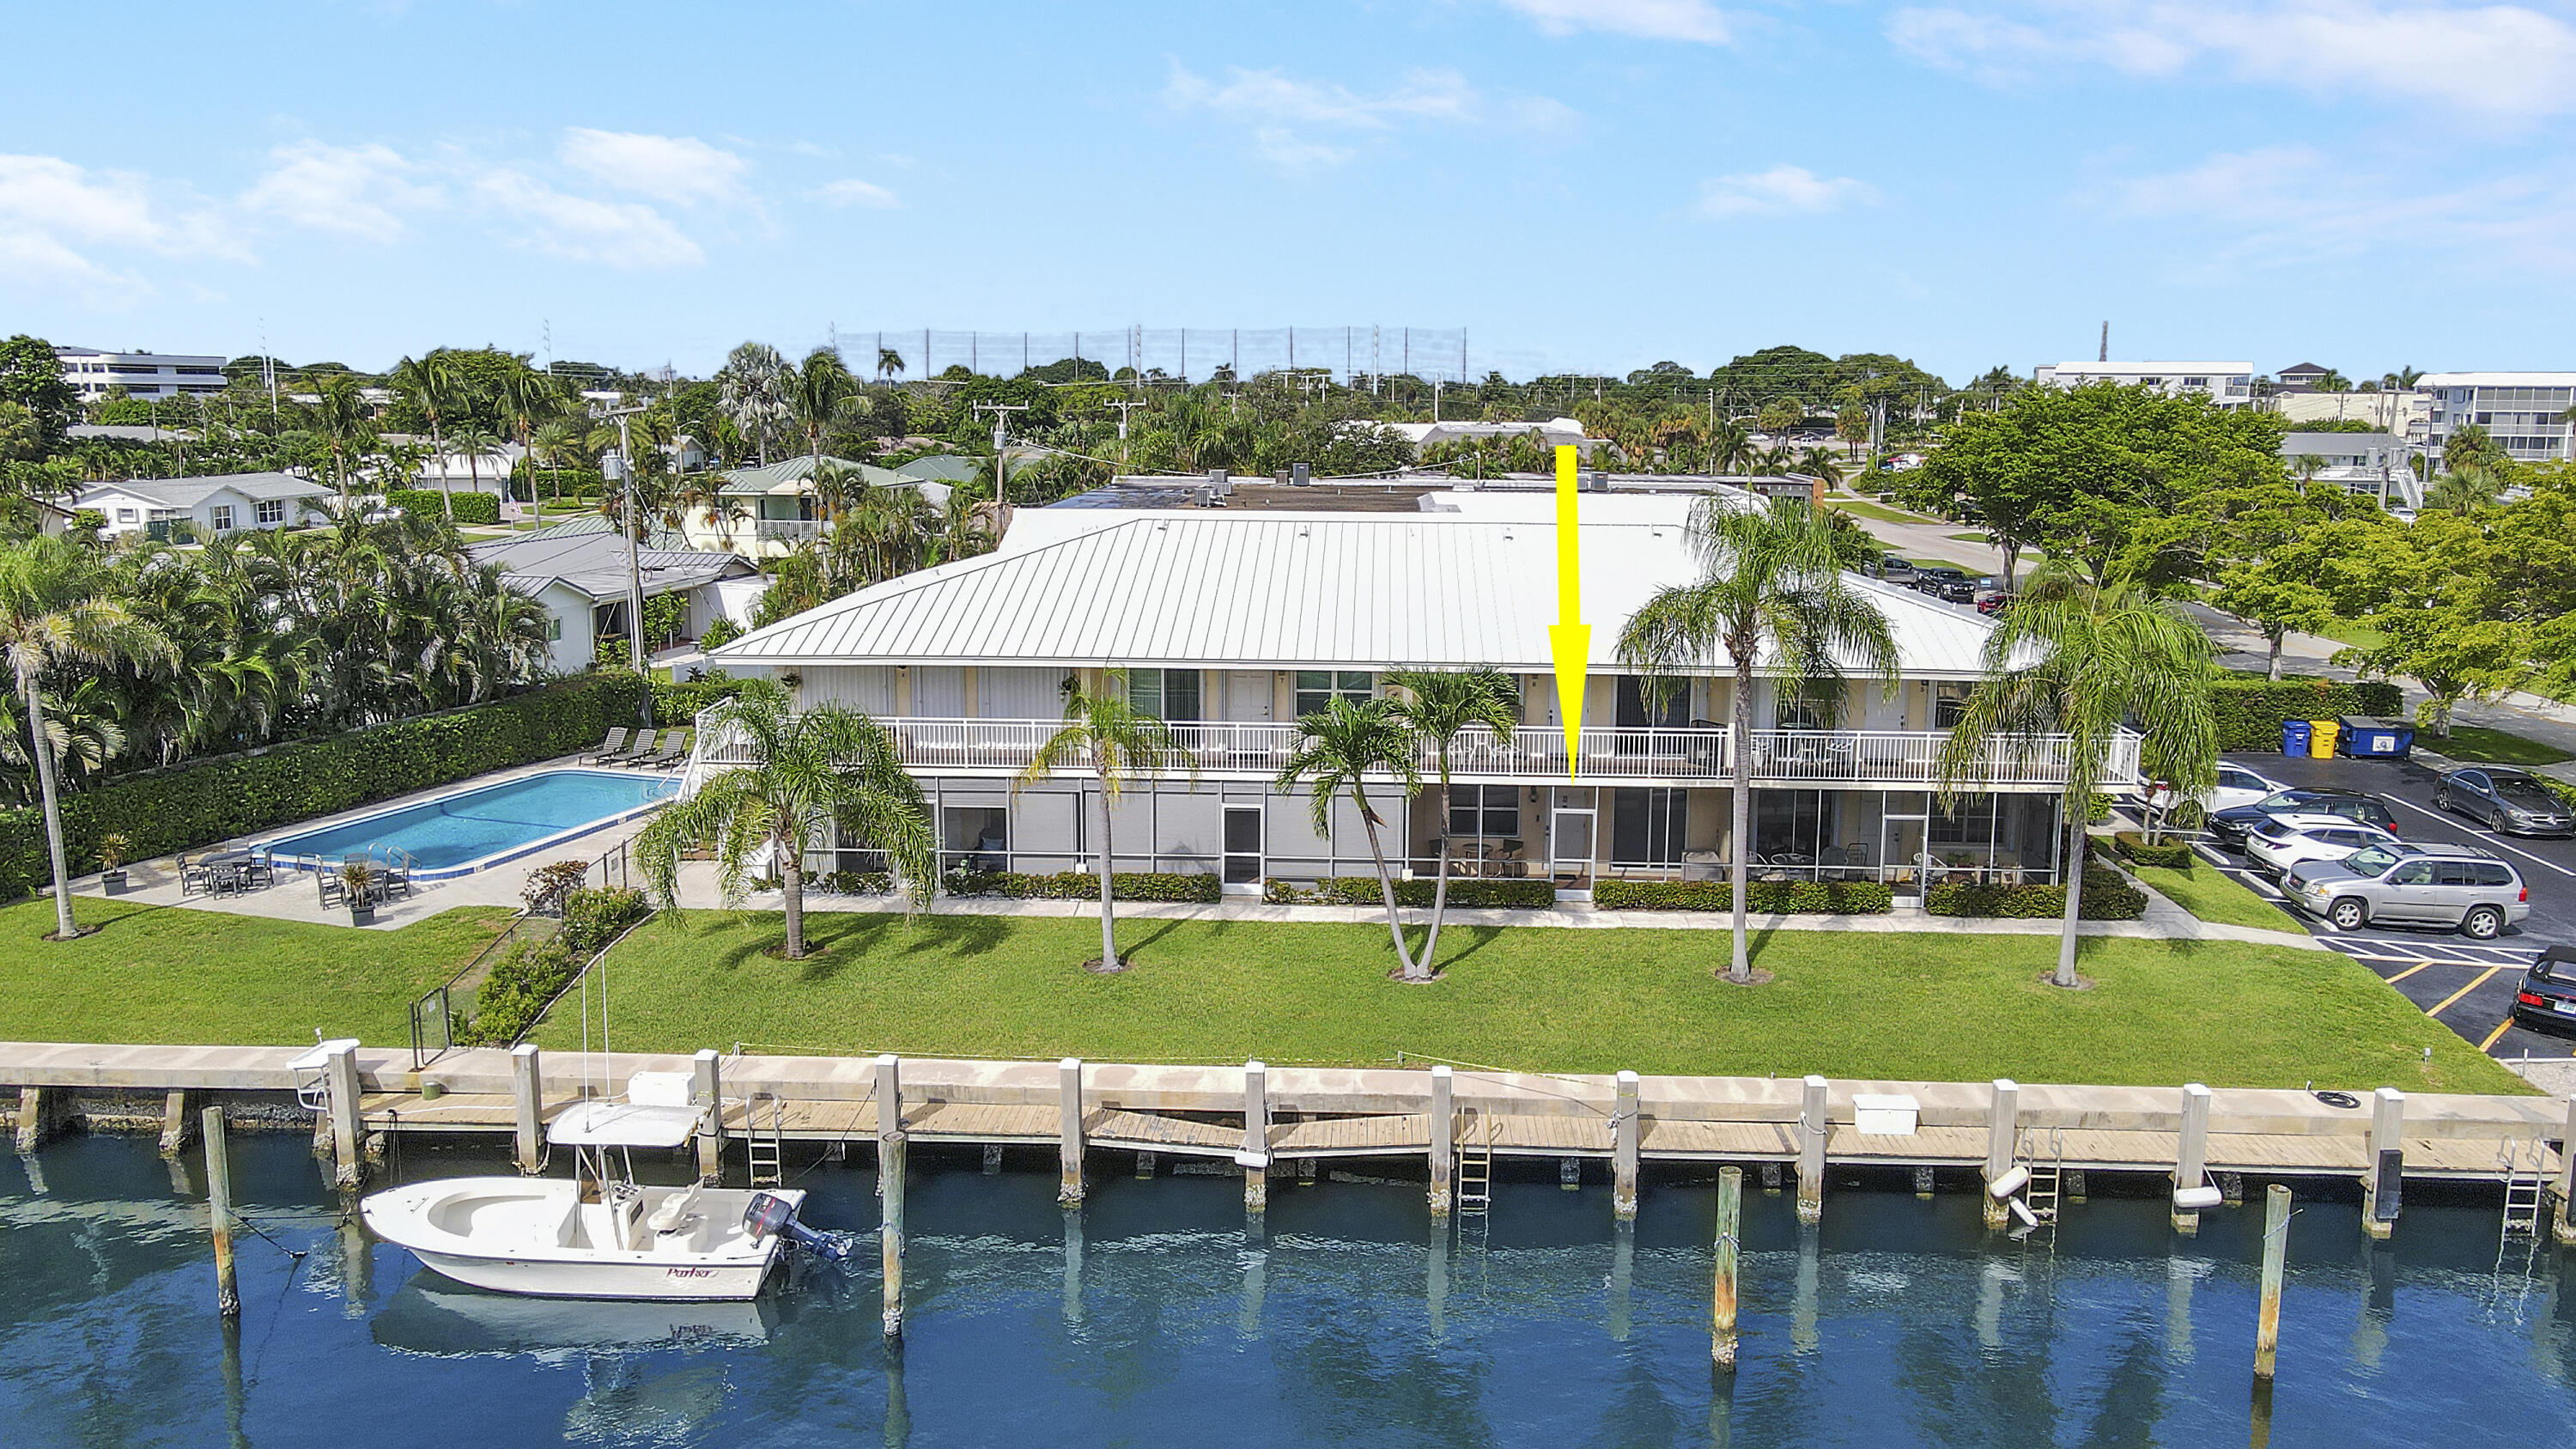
94,371
2229,384
217,503
1231,623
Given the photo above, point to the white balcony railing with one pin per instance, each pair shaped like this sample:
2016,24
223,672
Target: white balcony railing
1225,749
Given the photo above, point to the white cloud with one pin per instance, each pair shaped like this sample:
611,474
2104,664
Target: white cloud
2507,61
56,217
851,191
622,234
364,191
1279,111
678,169
1284,149
1692,20
1783,190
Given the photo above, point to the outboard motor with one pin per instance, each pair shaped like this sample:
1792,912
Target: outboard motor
768,1214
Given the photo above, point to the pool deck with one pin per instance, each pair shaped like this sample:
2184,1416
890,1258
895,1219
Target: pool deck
296,896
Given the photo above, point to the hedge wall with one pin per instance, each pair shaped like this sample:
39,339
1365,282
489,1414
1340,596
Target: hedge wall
2107,897
678,704
206,801
1471,894
1081,885
1784,897
2251,711
484,508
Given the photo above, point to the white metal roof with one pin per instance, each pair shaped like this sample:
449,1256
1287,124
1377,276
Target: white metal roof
2496,379
1272,590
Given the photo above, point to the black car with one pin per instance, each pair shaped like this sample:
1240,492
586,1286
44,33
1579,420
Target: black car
2547,996
1951,586
2511,802
2232,825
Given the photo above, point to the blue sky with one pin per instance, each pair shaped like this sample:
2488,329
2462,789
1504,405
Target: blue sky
2365,183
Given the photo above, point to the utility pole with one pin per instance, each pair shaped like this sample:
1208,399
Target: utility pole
634,562
2106,342
1001,415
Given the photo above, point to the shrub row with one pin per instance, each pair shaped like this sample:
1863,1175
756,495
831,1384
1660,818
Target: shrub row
514,994
2251,711
204,801
2107,897
1078,885
593,917
1362,890
679,703
1786,897
2135,847
483,508
857,882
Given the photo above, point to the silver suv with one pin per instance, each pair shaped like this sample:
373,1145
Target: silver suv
2412,885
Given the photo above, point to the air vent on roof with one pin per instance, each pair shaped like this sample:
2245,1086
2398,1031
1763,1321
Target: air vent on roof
1298,476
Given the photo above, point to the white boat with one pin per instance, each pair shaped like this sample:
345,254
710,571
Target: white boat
598,1234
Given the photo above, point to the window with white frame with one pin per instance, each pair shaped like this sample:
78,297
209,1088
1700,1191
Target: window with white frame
220,517
270,510
125,515
1318,688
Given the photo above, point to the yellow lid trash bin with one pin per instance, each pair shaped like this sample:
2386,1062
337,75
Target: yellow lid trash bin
2321,738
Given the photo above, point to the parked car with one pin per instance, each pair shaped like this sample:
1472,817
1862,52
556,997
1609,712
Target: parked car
2413,885
2237,786
2233,824
2288,840
2402,515
2547,996
1896,570
1951,586
1987,586
2511,802
1996,603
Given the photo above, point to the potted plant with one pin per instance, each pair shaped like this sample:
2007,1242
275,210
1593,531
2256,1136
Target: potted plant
111,862
359,878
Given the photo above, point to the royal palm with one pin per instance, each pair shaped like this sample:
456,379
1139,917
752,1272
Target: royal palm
1118,742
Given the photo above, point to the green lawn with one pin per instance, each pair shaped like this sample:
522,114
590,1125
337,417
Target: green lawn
2493,747
2213,895
1879,511
1922,1006
1926,561
1968,537
2357,636
167,974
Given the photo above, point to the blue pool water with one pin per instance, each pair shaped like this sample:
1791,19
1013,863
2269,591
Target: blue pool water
475,828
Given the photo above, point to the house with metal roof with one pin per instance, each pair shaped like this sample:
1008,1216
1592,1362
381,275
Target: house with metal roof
206,506
577,570
768,510
1232,624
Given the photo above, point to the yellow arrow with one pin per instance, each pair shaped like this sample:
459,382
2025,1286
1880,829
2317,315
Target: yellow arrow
1569,639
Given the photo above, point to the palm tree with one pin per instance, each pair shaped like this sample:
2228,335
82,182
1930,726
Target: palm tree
754,394
818,395
827,767
1435,706
436,388
342,415
1771,584
1338,747
1820,463
529,400
889,363
2085,660
1118,741
54,612
476,442
1730,448
557,439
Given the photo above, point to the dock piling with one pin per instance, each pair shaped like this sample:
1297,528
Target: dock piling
527,1100
40,1113
219,1202
1812,1132
2565,1225
708,1092
2276,1247
176,1122
1623,1150
1068,1075
1722,1307
348,1129
2003,1129
2387,1166
1444,1126
891,1153
1255,1156
2191,1158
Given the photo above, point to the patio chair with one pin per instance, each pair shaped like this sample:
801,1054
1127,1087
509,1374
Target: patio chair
194,878
674,752
335,892
393,877
610,748
259,872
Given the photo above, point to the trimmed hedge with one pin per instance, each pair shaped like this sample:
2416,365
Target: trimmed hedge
483,508
1781,897
2172,854
205,801
518,987
1081,885
2107,897
678,704
2251,711
593,917
1468,894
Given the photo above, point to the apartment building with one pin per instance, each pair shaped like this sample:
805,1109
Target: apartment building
2525,412
93,371
1232,622
2229,384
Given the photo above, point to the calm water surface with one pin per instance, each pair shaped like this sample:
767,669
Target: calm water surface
1153,1319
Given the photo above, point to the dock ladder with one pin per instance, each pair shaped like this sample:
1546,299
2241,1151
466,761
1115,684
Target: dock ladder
1475,1193
765,1138
2525,1184
2046,1174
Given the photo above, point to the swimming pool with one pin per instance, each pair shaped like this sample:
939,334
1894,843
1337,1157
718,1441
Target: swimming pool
470,830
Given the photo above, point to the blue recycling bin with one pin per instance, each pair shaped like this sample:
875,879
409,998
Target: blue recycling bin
2295,734
2369,738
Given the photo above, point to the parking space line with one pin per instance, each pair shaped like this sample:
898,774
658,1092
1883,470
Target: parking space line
2482,978
2488,836
2409,971
2498,1034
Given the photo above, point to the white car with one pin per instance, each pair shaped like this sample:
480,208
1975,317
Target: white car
2236,786
2295,839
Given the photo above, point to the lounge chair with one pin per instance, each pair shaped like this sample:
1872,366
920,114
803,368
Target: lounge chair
643,748
675,749
611,747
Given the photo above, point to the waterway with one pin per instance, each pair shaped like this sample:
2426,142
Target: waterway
1153,1318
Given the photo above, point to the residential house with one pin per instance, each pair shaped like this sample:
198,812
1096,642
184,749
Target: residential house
211,505
1554,432
2377,464
2228,384
578,571
769,510
1231,623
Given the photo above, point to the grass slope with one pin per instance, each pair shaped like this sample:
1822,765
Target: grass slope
2213,895
2493,747
1924,1006
166,974
1879,511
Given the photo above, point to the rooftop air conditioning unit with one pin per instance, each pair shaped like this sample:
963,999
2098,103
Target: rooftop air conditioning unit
1298,475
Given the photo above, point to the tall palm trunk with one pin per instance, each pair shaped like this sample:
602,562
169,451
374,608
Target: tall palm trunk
1440,890
1739,871
438,445
791,884
2077,847
64,926
1385,886
1108,873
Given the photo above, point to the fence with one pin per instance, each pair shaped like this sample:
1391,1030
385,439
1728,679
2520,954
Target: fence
1188,353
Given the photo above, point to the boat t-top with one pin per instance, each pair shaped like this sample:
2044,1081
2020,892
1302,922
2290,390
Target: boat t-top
600,1234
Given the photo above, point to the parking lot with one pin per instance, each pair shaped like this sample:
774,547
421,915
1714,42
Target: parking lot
2469,986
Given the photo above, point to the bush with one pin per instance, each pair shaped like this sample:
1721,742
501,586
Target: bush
678,704
515,994
718,633
549,886
483,508
2171,855
204,801
859,882
593,917
2251,711
1782,897
1469,894
1082,885
2107,897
